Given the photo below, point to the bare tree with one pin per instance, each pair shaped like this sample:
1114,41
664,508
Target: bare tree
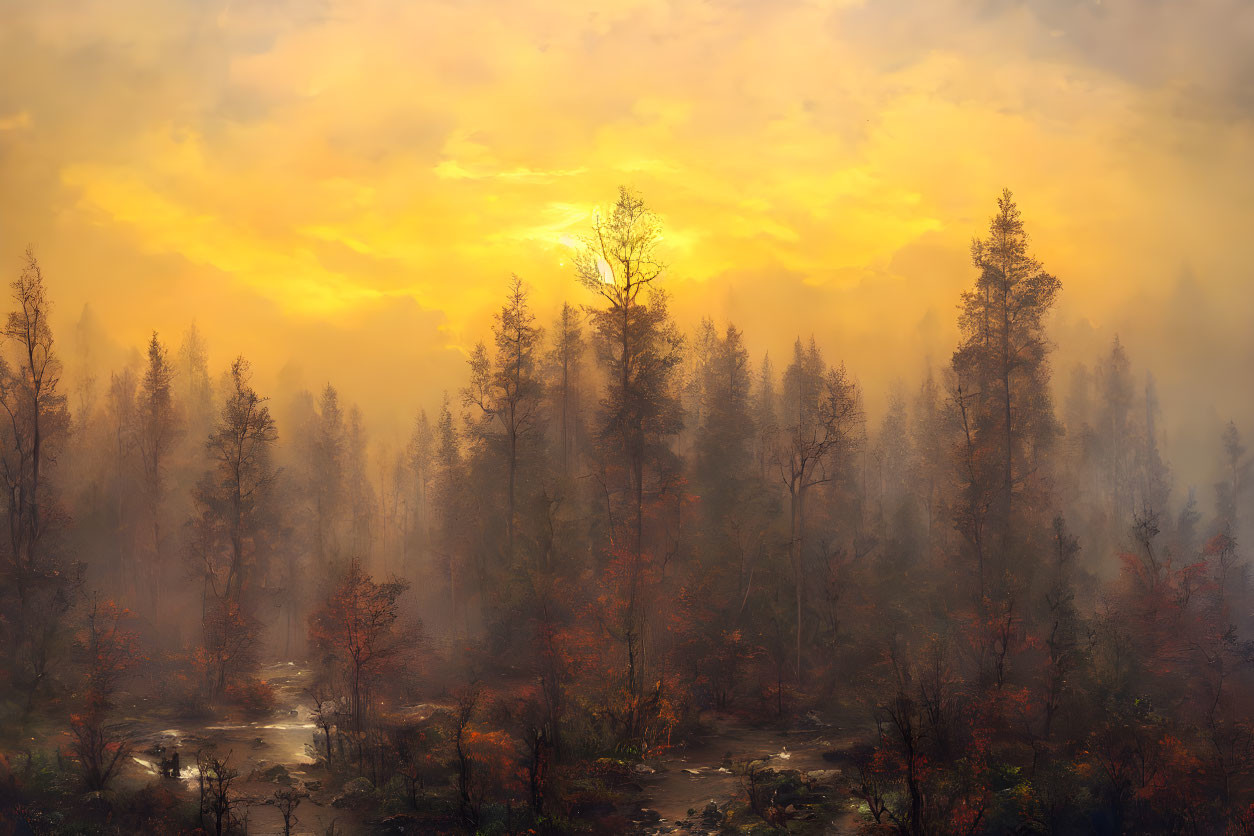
34,421
218,800
286,800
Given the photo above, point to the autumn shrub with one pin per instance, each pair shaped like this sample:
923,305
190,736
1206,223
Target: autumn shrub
254,696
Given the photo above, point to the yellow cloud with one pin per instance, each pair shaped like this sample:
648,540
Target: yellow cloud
827,160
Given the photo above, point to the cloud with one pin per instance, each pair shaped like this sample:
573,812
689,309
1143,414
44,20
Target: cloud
821,167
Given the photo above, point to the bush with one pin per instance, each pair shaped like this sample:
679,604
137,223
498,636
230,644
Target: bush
255,696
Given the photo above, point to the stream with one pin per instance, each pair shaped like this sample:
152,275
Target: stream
254,745
684,783
686,779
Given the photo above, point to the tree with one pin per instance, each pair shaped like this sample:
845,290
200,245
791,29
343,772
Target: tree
696,377
890,457
121,409
448,495
233,493
822,420
35,421
39,405
724,440
228,533
928,441
355,630
231,643
764,415
640,349
359,492
566,363
638,345
508,392
286,800
1114,433
483,760
326,474
1155,474
108,651
218,799
197,390
1002,378
420,462
1228,490
158,427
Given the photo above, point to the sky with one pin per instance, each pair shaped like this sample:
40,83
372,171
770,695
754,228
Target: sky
340,189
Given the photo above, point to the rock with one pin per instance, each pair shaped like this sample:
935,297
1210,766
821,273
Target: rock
402,823
277,774
313,786
824,776
711,814
693,772
258,743
643,769
354,793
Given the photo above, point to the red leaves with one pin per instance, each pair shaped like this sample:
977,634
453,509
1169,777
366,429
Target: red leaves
355,629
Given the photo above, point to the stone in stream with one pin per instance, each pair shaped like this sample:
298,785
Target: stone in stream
277,774
646,815
824,776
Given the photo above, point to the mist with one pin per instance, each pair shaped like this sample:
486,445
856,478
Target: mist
648,417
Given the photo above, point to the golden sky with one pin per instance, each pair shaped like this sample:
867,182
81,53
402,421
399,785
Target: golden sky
339,189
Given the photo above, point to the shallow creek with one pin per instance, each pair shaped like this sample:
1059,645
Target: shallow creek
689,779
280,738
686,779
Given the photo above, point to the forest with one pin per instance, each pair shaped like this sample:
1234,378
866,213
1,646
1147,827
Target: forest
629,578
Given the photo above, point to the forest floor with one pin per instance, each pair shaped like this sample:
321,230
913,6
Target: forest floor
685,789
675,795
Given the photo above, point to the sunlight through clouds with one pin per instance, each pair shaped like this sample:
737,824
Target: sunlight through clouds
333,157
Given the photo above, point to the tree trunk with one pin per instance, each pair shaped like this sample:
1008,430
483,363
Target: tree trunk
513,477
796,511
